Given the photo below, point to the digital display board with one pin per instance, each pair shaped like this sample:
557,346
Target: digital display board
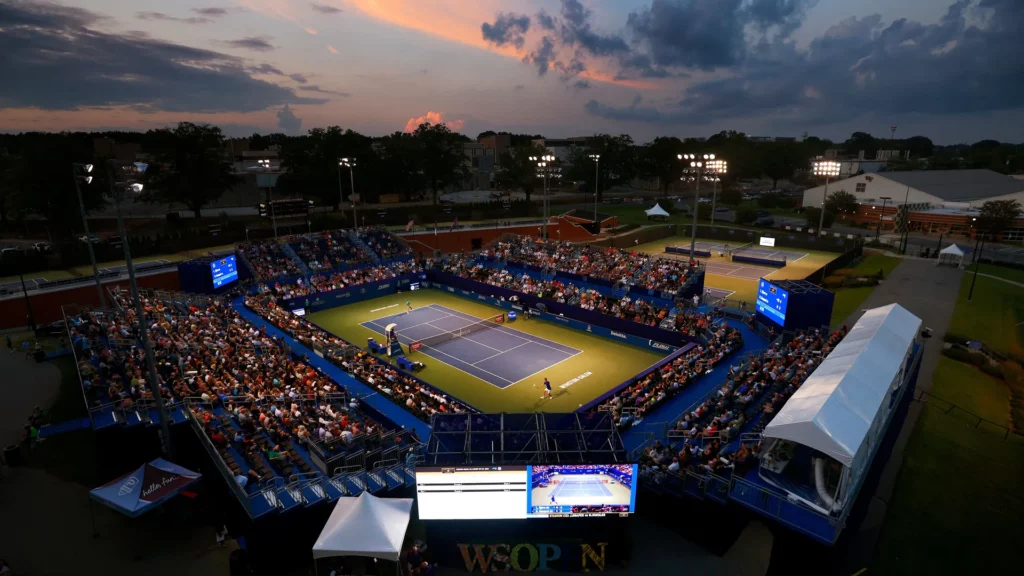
772,301
224,271
513,492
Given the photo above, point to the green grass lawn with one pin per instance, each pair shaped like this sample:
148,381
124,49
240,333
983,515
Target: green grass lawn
957,506
994,315
609,363
973,390
1000,271
848,300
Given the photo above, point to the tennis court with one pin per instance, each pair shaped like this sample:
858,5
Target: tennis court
498,355
581,490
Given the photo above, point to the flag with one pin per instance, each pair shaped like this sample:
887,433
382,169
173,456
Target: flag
409,226
454,224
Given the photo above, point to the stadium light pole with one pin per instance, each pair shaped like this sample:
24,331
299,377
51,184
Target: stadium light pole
81,173
697,166
264,166
977,264
544,165
716,167
880,214
125,178
829,169
349,163
597,174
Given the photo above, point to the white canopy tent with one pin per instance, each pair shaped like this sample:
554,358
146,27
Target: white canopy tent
657,211
951,254
838,407
365,526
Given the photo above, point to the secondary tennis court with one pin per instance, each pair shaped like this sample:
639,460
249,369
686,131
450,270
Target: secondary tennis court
581,490
498,355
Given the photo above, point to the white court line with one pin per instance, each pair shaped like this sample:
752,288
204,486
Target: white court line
516,333
499,353
415,325
480,343
547,368
800,258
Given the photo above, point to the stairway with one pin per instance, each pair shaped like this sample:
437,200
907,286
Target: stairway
356,240
290,252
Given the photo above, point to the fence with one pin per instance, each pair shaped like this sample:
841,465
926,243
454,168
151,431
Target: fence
978,422
842,261
783,238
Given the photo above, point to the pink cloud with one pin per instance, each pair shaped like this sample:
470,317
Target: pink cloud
433,118
332,49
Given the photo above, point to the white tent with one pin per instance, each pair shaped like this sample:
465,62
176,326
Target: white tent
951,254
365,526
837,409
657,211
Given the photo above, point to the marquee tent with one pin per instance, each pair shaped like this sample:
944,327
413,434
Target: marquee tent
951,254
656,211
365,526
144,488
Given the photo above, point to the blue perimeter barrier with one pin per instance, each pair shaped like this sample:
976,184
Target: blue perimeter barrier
640,376
759,261
686,251
325,300
639,341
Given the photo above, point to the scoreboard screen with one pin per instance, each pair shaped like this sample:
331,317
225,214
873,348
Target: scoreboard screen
772,301
224,271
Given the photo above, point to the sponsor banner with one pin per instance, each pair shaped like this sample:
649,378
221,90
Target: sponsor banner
327,300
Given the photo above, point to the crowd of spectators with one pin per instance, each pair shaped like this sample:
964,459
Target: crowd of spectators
628,307
268,260
753,392
612,264
383,243
328,250
631,404
342,279
419,399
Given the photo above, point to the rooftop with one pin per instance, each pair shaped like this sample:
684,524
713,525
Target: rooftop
957,185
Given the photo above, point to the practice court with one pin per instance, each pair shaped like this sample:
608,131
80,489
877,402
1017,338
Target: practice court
581,490
498,355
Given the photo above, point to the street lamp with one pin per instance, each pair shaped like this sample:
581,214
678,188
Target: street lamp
716,167
124,179
829,169
81,173
597,173
545,167
879,229
698,164
349,163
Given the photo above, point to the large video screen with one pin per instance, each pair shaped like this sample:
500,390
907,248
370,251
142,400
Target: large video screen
224,270
772,301
513,492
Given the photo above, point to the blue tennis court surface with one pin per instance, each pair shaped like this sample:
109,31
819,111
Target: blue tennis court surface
500,355
587,487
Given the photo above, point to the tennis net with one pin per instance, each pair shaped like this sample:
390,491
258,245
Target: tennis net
485,324
740,249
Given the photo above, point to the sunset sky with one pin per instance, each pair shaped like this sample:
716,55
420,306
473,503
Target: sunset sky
949,70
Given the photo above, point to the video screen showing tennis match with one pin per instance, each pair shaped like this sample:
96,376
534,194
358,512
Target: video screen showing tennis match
582,489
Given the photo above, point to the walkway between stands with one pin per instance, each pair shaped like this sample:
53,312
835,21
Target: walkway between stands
675,406
367,395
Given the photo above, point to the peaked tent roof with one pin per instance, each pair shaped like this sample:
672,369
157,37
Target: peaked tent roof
656,211
957,185
144,488
953,250
365,526
833,410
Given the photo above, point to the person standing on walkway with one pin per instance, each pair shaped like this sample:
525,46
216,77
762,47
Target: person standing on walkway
10,344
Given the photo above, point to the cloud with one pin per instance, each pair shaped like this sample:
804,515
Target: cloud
542,56
164,17
576,30
694,34
265,68
967,62
212,12
315,88
287,121
332,49
433,118
325,8
257,43
581,85
507,29
298,78
50,48
311,31
545,20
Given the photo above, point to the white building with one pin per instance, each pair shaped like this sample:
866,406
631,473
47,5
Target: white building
937,188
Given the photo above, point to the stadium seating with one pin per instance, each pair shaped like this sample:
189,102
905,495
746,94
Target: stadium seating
328,250
268,260
384,244
342,279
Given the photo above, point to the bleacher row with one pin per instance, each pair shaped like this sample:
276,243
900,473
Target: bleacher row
719,436
320,252
266,415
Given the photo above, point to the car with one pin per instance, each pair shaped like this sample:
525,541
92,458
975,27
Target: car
93,239
11,250
721,209
705,200
41,247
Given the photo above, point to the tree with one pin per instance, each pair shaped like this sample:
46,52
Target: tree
919,146
780,159
311,164
618,162
660,159
441,160
190,168
813,216
841,201
517,171
998,215
731,196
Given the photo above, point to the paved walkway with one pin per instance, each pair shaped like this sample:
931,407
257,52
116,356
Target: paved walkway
930,292
25,384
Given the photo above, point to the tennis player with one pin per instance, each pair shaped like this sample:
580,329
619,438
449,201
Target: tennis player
547,389
408,305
